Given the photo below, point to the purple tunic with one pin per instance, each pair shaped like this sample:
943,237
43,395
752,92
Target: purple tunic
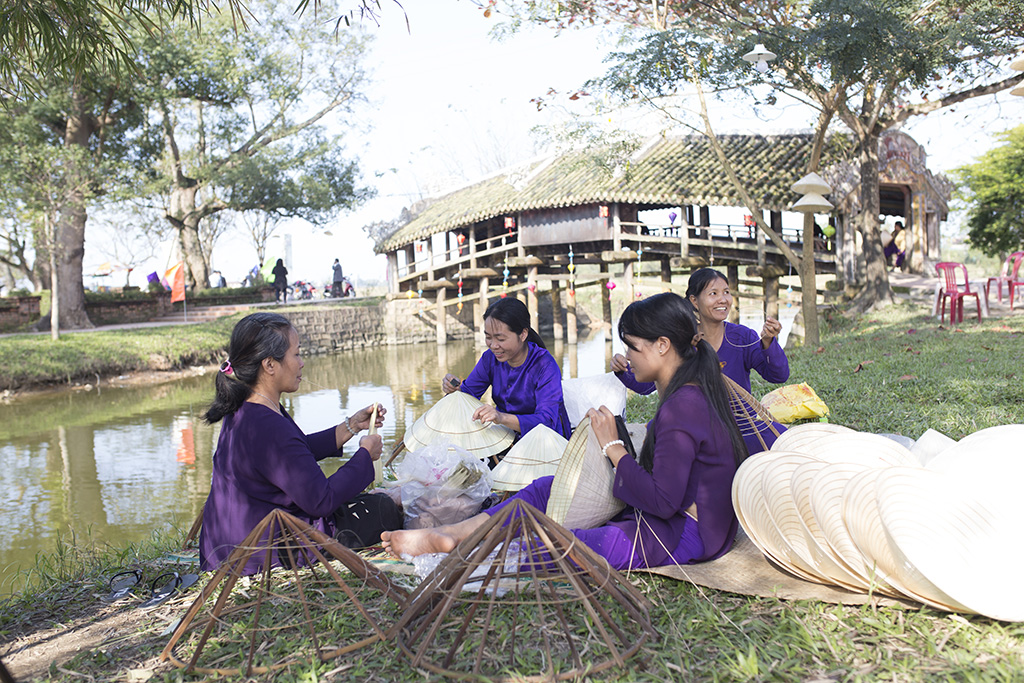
740,353
532,392
264,461
693,463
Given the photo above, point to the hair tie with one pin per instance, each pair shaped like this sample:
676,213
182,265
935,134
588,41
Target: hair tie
225,367
696,339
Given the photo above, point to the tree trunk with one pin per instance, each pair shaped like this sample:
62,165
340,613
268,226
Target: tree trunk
809,286
70,227
185,216
876,292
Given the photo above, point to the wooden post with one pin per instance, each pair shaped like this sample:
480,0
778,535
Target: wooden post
392,272
705,222
771,297
442,317
616,228
574,360
531,295
627,275
606,303
570,318
556,310
732,272
478,312
430,257
666,274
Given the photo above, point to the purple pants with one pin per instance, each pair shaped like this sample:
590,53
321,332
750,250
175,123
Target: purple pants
610,542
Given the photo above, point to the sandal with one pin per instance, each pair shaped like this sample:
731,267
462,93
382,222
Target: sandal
121,584
172,582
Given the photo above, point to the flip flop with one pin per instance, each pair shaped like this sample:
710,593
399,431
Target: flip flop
121,584
166,585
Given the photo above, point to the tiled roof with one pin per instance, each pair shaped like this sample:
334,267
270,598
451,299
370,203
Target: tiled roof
677,171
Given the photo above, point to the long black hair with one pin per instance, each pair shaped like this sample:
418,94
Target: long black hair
255,337
700,279
670,315
516,315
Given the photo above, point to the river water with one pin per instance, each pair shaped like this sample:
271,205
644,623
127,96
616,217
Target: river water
111,466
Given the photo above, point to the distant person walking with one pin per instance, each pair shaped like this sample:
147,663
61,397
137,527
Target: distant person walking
338,284
280,274
897,246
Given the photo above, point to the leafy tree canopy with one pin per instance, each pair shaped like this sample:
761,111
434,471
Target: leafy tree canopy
993,186
42,39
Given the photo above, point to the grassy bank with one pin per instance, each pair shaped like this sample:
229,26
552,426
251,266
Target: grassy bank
29,361
898,371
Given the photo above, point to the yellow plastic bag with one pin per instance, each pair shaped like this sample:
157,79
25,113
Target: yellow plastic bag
794,402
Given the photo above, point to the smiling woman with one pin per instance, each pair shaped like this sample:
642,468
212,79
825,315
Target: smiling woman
265,462
525,381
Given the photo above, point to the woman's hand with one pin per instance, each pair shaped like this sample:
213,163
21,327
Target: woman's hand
450,383
770,331
360,420
602,424
373,444
486,414
619,363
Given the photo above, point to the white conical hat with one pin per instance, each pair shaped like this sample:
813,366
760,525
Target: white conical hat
939,535
929,445
581,493
535,455
873,450
451,420
864,522
798,436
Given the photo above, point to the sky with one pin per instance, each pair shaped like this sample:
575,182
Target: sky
450,104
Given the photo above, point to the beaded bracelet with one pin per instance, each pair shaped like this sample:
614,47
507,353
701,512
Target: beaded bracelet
616,442
348,426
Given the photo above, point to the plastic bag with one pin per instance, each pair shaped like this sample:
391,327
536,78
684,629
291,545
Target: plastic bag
441,484
794,402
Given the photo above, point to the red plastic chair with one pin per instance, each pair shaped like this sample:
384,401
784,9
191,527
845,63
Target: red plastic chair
1017,280
956,293
1007,276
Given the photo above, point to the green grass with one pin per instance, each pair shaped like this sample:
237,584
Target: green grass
954,380
32,360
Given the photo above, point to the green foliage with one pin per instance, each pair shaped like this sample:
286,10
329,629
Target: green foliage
993,187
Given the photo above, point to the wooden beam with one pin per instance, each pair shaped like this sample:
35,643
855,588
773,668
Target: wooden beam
481,273
618,256
431,285
525,261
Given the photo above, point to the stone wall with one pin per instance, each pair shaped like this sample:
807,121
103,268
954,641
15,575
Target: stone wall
119,312
326,329
18,311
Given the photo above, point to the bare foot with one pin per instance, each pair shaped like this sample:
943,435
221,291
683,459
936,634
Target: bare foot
417,542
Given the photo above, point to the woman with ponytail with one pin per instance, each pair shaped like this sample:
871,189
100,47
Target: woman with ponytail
678,492
264,461
739,348
525,380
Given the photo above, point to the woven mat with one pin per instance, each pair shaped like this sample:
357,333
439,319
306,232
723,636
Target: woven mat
742,570
745,570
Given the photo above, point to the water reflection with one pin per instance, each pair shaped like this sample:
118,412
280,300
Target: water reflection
118,464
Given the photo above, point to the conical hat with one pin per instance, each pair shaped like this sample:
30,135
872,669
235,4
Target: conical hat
941,536
581,493
873,450
929,445
451,419
535,455
864,522
795,438
752,512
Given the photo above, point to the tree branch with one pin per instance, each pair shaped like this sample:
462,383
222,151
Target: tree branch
957,97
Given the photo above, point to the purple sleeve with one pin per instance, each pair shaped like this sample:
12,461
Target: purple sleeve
770,363
479,378
547,394
627,378
324,444
659,492
295,471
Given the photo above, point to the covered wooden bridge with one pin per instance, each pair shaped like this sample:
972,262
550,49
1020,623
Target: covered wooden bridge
527,231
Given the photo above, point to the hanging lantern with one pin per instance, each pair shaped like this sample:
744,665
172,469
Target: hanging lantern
602,211
759,57
672,216
610,285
